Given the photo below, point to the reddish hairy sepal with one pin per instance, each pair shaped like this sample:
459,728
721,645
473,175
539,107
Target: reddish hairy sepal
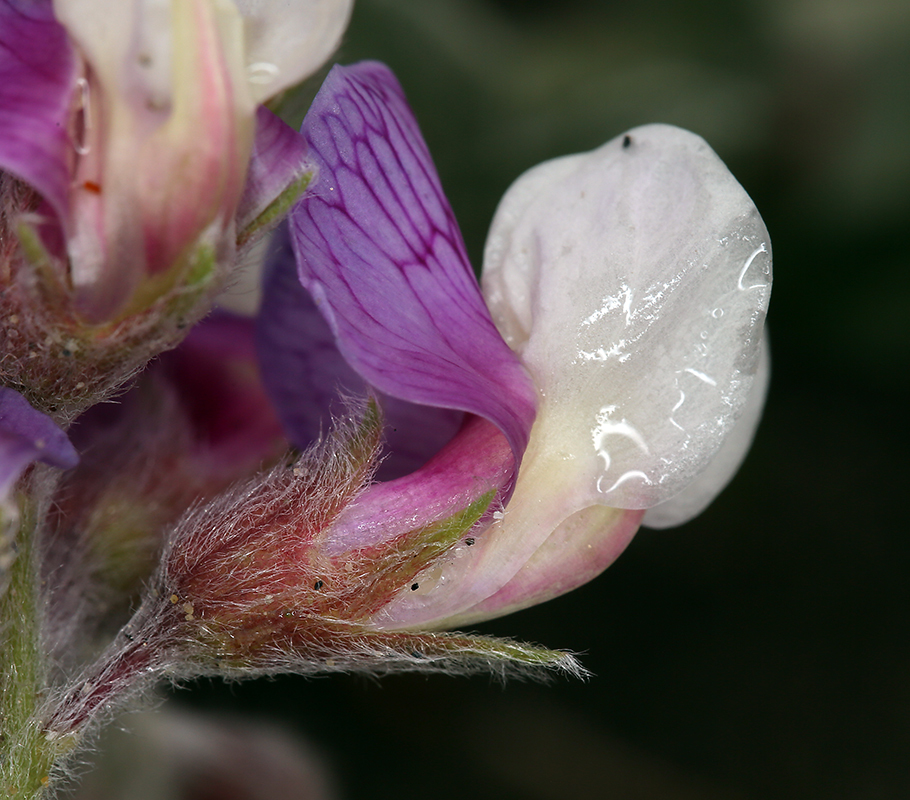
223,570
166,640
242,563
57,361
195,423
254,576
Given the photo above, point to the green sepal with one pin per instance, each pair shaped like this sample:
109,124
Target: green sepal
360,441
51,286
276,210
465,653
345,648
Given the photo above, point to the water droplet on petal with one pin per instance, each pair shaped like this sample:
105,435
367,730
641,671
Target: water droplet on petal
603,431
83,118
262,72
755,273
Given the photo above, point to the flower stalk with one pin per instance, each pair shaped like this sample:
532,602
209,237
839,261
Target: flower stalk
29,758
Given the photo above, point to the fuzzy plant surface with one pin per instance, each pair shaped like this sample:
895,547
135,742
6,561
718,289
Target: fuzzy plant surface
388,449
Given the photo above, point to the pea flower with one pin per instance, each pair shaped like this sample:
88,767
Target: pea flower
610,373
630,285
137,157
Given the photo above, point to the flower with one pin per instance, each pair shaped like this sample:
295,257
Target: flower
614,374
631,285
137,159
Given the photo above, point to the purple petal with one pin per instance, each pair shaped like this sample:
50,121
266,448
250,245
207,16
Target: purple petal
306,376
379,248
37,78
27,435
278,162
197,419
215,374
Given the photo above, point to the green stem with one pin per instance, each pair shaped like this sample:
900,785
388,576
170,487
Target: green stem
27,757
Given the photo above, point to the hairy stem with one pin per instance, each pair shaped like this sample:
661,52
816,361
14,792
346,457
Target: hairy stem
27,757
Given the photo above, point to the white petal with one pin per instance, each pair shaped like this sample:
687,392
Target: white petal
129,40
128,43
288,40
107,33
699,494
633,281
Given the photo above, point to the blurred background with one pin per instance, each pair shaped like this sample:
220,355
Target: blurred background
762,650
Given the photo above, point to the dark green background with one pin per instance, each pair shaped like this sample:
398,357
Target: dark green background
761,651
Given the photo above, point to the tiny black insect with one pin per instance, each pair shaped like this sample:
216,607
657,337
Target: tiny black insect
626,141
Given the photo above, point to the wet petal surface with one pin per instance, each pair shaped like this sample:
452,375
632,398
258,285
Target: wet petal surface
633,281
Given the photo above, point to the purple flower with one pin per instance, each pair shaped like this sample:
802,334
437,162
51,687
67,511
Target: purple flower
621,358
610,373
135,125
136,164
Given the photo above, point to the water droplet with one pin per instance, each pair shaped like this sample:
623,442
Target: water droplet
758,277
606,428
631,475
262,72
701,376
83,118
717,313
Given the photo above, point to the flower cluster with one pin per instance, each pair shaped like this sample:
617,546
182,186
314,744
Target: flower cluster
387,450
